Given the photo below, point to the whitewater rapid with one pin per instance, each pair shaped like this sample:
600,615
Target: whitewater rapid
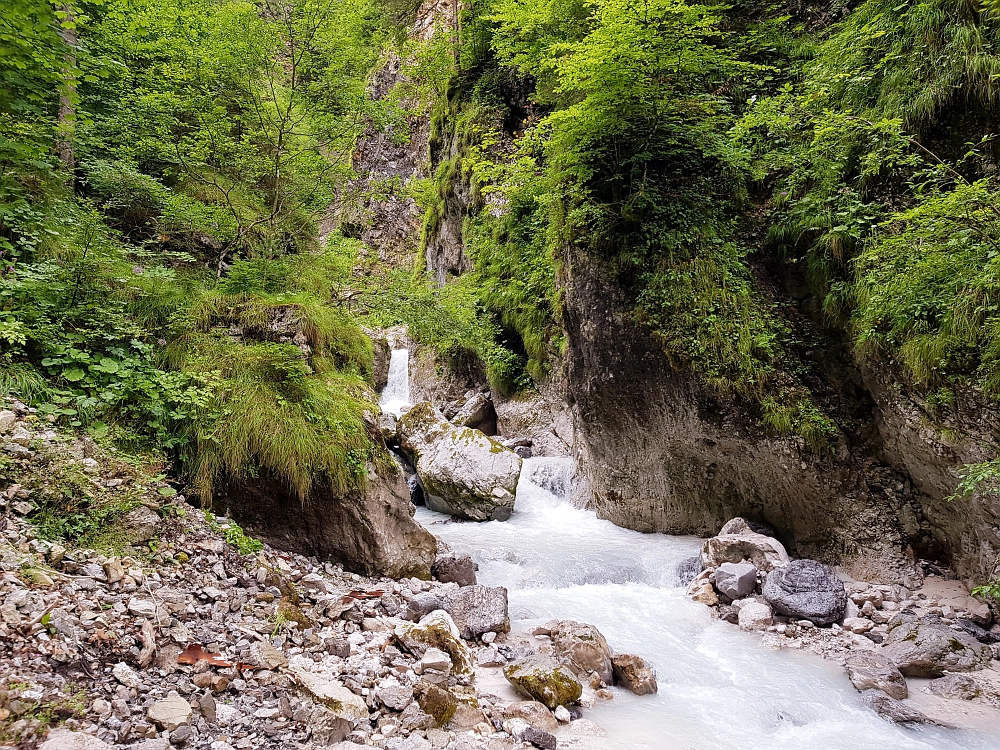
718,687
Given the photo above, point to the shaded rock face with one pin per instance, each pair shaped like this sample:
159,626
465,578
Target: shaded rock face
663,453
463,472
370,532
807,590
871,670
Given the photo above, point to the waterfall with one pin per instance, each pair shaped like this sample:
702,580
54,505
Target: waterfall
719,687
396,395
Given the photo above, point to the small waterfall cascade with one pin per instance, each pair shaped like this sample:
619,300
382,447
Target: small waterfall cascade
719,688
396,395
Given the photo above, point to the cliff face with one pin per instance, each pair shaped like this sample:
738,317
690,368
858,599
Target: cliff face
662,453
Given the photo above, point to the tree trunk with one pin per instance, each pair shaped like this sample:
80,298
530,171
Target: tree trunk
67,94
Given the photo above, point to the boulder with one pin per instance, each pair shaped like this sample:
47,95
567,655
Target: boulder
437,702
806,590
738,542
955,686
460,569
422,605
543,679
688,569
479,414
584,648
171,712
754,616
533,712
872,670
369,531
478,609
436,630
63,739
332,694
736,580
633,673
891,709
701,590
929,649
463,472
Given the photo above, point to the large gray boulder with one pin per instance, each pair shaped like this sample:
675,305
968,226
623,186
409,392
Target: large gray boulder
891,709
463,472
929,649
872,670
478,609
737,542
584,648
806,590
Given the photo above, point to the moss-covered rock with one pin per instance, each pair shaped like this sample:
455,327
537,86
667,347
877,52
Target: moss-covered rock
437,630
544,680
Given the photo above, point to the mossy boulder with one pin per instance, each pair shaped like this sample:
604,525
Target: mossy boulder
436,702
545,680
463,472
930,649
437,630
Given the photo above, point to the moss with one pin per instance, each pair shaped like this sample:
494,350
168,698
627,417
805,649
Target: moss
436,702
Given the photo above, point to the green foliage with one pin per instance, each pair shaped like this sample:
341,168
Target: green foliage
234,535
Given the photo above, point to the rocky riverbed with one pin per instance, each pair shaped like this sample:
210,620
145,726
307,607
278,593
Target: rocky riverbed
194,635
924,654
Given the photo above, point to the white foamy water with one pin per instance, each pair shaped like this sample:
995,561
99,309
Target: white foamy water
396,394
718,687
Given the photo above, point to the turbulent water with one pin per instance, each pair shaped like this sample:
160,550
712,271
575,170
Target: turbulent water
396,395
718,687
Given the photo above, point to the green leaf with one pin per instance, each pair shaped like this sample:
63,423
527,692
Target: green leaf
109,365
74,375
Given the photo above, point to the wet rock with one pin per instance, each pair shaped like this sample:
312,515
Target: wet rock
808,590
633,673
584,647
929,649
436,630
872,670
170,713
562,714
63,739
729,613
702,591
463,472
737,542
754,616
333,695
978,632
891,709
534,713
478,609
544,679
955,686
460,569
736,580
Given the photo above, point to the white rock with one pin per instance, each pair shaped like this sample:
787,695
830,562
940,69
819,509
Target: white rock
62,739
126,675
755,616
171,712
7,420
332,694
562,714
226,714
142,607
435,658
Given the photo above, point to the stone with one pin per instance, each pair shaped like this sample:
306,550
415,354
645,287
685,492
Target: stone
328,726
226,714
114,571
584,647
633,673
755,616
63,739
544,679
872,670
859,625
395,696
436,630
170,713
478,609
479,414
463,472
534,713
891,709
688,569
436,702
460,569
490,657
955,686
738,542
806,589
126,675
333,695
422,605
141,524
562,714
7,421
181,735
435,658
538,738
702,591
929,649
736,580
208,708
980,614
978,632
142,608
267,655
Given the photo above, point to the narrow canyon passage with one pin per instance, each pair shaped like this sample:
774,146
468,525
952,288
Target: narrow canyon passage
718,687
